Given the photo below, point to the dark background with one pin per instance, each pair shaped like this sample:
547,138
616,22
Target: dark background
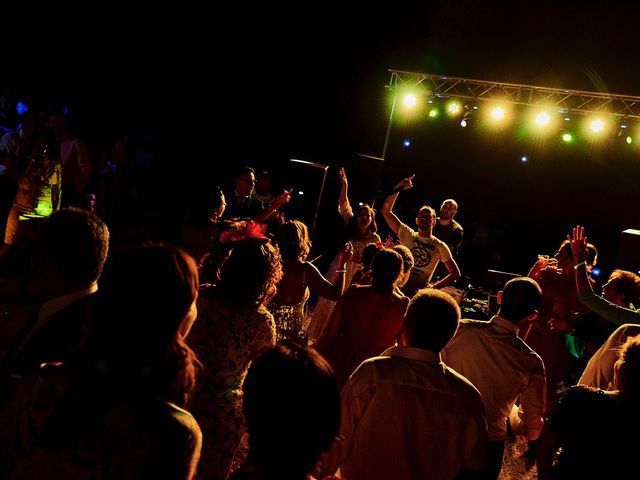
206,88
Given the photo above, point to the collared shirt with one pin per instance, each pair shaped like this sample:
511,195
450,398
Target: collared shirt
503,367
599,371
53,306
406,415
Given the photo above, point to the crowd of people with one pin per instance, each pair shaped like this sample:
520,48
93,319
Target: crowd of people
202,355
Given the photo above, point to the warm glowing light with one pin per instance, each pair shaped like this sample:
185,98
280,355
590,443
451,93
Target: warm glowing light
596,125
567,137
433,113
543,119
410,100
629,139
454,108
497,113
463,122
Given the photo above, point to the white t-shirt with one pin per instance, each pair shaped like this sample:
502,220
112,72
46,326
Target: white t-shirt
427,252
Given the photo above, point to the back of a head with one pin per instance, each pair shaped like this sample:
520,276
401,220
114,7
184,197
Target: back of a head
386,268
431,320
144,303
368,252
250,273
293,241
627,369
292,406
76,242
407,257
521,297
148,290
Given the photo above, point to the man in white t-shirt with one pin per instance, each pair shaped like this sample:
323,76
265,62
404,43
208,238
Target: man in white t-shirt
427,250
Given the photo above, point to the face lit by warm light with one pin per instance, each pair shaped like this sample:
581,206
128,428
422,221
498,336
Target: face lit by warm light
245,183
364,219
448,210
426,219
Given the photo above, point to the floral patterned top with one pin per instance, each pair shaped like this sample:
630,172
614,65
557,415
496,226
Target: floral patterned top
226,338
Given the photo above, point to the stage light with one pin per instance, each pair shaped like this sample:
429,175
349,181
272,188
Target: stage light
434,112
542,119
360,204
454,108
595,272
21,108
524,159
567,137
596,125
300,192
497,113
463,122
406,143
629,140
410,100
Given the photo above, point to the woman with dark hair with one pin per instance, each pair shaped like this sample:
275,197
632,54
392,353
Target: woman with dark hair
115,409
361,231
367,319
282,387
233,328
300,276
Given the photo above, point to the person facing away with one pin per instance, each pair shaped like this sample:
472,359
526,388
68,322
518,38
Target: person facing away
600,368
427,250
407,415
115,409
591,433
367,319
288,306
69,255
503,367
292,407
234,327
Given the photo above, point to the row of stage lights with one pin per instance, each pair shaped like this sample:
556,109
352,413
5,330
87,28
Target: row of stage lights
540,121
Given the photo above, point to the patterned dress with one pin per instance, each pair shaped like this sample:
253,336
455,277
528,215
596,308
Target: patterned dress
226,338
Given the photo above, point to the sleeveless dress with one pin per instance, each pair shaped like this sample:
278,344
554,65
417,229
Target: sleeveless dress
289,318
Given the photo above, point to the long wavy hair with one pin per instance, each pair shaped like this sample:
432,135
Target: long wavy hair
250,274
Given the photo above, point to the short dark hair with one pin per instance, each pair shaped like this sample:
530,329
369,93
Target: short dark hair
431,320
627,284
386,268
76,241
292,406
521,296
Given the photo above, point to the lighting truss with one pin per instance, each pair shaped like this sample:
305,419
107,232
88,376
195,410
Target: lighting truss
568,101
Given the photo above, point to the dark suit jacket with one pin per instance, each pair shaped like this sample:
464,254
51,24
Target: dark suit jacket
64,333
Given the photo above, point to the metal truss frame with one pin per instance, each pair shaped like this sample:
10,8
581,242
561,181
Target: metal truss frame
567,101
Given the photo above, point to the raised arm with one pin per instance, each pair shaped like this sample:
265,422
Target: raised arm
344,207
280,200
392,220
579,250
319,285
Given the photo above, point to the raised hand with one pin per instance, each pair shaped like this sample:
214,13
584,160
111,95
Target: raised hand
406,183
343,176
345,254
578,243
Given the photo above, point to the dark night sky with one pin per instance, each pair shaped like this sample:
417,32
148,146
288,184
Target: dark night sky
262,84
